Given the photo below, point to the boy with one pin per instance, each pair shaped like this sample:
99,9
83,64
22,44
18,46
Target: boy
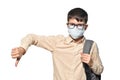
66,51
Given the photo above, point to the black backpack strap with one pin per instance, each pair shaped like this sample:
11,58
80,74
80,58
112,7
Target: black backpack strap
87,46
86,49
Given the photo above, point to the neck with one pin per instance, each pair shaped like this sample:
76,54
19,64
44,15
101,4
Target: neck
78,38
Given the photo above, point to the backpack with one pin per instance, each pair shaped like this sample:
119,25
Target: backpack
90,75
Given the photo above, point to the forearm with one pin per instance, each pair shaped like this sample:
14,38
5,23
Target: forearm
97,68
27,41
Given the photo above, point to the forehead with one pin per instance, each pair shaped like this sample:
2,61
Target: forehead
73,20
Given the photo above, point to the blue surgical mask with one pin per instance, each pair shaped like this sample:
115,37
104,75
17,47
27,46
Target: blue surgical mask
75,32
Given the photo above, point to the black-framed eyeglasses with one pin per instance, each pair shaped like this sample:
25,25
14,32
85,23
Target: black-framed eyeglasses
72,25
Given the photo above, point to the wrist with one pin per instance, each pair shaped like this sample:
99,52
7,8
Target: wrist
22,51
90,63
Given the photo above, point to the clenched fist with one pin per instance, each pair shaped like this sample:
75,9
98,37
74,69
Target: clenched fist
17,53
86,58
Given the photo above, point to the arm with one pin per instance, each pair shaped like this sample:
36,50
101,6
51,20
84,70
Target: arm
46,42
17,53
95,62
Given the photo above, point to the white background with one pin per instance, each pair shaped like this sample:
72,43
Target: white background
49,17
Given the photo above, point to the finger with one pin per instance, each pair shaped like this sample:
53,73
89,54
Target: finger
13,53
17,61
83,59
86,59
81,53
85,55
15,56
14,50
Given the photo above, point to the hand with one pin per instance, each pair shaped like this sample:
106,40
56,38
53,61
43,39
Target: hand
17,53
85,58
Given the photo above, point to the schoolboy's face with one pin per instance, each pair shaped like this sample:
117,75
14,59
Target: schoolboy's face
75,22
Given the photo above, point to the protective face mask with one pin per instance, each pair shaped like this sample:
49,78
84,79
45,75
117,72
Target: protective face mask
76,33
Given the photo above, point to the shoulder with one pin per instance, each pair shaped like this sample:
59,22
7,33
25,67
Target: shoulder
94,44
55,37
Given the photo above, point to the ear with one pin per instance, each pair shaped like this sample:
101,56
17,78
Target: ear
86,26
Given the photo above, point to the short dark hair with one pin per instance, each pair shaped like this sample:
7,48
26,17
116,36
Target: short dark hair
79,14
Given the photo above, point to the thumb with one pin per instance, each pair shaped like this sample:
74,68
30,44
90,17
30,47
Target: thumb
17,61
